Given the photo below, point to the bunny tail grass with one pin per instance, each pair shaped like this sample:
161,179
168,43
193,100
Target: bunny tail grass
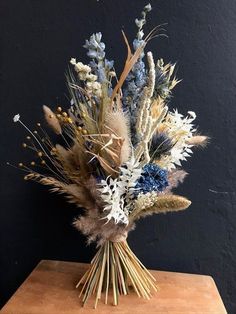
115,266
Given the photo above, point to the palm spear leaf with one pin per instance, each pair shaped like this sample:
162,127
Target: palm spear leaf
129,63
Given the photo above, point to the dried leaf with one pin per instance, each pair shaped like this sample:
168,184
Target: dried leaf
52,120
130,61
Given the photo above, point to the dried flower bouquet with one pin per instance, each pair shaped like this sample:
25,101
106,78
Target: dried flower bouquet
120,159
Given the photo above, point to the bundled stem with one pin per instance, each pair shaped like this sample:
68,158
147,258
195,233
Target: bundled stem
115,266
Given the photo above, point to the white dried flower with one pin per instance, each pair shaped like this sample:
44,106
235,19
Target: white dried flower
112,73
94,88
91,77
180,129
16,118
73,61
82,69
148,7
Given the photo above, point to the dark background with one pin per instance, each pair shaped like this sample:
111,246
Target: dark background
38,38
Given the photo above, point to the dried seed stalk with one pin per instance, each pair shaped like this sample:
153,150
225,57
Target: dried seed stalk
116,266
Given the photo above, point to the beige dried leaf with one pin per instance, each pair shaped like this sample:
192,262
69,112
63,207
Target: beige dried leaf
52,120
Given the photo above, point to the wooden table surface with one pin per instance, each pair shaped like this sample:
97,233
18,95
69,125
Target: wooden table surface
50,289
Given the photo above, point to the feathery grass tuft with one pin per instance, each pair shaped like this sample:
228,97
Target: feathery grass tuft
161,205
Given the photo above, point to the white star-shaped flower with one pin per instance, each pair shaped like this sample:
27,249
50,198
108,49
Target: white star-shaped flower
16,117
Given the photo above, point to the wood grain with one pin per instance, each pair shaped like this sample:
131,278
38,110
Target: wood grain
50,289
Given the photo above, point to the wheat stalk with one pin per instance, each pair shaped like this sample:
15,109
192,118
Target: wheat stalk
115,266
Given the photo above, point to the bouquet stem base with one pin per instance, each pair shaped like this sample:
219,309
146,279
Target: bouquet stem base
115,266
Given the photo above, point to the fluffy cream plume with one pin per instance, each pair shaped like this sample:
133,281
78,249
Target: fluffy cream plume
52,120
117,122
198,140
159,204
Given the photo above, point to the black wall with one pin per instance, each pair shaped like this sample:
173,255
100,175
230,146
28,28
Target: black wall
37,40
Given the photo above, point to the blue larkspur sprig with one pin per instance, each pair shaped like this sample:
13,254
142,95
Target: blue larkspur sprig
137,77
96,51
135,82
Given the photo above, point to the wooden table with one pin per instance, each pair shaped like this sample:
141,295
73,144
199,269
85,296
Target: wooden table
50,289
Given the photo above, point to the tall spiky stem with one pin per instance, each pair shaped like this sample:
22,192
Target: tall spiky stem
115,266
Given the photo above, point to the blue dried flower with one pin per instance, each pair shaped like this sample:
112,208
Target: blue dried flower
96,51
109,64
95,47
138,43
153,178
133,87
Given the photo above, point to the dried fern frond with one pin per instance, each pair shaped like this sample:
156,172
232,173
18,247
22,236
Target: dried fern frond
162,204
52,120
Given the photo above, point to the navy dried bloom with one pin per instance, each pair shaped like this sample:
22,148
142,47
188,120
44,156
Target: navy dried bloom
153,178
161,145
163,81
